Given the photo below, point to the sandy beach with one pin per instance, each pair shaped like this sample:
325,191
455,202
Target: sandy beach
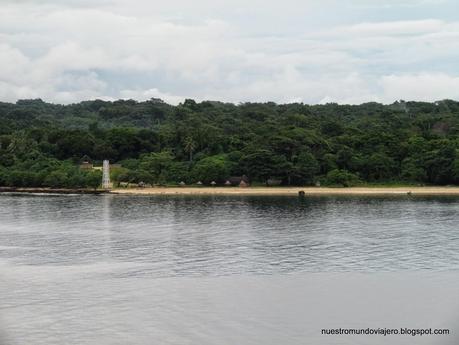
289,191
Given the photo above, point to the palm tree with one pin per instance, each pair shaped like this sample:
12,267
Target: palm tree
20,144
190,146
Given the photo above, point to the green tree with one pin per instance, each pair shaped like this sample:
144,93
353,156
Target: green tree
177,172
341,178
439,162
262,164
306,167
56,179
157,163
380,166
189,147
213,168
413,170
93,179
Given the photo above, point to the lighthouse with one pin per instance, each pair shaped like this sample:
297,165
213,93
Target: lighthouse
106,175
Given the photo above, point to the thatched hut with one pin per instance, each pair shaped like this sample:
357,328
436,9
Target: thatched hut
243,184
236,180
86,166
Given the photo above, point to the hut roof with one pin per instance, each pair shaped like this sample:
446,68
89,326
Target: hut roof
86,166
243,184
235,180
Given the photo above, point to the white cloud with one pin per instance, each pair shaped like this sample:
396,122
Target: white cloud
69,51
395,28
151,93
421,87
14,61
396,4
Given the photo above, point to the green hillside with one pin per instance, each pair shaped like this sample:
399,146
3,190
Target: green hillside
42,144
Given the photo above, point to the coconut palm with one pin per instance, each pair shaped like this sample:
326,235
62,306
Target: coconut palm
190,146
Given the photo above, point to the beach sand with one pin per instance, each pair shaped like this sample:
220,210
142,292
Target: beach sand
289,191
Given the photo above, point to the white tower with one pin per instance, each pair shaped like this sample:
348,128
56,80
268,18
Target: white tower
106,175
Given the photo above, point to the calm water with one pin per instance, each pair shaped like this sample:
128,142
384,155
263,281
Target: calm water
225,270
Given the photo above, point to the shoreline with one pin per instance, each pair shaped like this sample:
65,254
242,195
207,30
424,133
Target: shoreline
248,191
288,191
50,190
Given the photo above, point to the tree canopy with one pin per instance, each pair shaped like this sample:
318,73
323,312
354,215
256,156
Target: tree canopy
42,144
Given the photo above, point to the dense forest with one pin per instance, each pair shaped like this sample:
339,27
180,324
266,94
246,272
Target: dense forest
42,144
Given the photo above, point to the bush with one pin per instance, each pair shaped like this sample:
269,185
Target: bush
19,178
56,179
177,171
213,168
342,178
413,171
135,176
93,179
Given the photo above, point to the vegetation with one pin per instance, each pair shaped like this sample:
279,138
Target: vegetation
42,144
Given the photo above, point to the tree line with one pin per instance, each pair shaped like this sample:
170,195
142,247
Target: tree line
42,144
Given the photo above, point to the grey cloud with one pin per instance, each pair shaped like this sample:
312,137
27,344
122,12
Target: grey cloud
82,51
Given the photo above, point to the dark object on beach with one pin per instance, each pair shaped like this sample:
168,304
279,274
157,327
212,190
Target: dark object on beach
301,193
409,193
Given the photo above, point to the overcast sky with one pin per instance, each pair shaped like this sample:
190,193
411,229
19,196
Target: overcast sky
345,51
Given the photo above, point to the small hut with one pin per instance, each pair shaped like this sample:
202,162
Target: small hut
213,183
227,183
86,166
243,184
182,184
199,183
236,180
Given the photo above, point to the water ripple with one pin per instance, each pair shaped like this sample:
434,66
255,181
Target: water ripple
232,235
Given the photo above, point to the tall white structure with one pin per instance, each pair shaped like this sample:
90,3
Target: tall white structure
106,175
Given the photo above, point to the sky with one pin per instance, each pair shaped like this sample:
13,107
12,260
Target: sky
344,51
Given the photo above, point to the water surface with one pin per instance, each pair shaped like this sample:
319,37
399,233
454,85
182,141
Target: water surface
225,269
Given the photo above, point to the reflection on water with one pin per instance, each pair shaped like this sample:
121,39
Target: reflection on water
227,235
221,270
